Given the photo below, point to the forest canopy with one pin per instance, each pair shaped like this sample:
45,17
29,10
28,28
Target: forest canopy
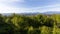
33,24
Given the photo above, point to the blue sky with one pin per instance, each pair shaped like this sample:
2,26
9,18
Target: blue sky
23,6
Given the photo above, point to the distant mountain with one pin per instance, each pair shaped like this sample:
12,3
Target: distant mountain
34,13
26,14
52,12
6,14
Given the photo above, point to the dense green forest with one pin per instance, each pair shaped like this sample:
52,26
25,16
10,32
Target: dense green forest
33,24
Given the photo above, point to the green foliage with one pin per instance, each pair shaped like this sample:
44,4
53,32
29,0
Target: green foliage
35,24
35,31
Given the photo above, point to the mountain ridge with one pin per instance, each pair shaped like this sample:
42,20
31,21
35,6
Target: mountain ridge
35,13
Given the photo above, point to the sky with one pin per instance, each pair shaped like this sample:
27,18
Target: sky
26,6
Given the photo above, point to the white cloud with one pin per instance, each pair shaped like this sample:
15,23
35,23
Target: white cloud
9,9
54,7
11,1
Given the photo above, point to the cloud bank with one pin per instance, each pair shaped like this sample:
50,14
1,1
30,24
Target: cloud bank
4,8
11,0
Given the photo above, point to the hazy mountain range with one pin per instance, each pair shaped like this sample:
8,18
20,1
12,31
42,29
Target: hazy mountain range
52,12
35,13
